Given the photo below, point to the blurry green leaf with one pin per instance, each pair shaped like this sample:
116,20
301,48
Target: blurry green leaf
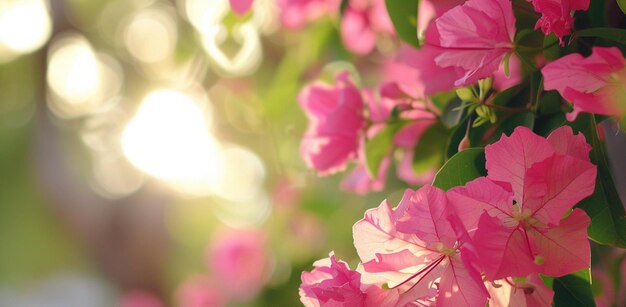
403,15
622,5
612,34
430,149
573,289
379,146
452,113
456,136
551,50
463,167
442,99
604,207
503,98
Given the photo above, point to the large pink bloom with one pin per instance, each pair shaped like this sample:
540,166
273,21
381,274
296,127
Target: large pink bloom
361,23
296,13
515,214
414,248
332,283
596,84
556,15
473,38
335,124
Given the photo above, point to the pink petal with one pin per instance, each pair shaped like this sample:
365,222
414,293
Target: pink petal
504,251
460,287
426,217
356,32
473,37
478,196
565,249
565,142
241,6
376,233
509,158
563,181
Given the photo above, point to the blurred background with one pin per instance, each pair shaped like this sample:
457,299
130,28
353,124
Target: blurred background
149,154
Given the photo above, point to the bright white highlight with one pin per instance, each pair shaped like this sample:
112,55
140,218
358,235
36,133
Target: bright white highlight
25,25
169,139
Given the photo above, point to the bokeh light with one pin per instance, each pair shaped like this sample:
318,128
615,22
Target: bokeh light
169,139
25,25
151,35
80,79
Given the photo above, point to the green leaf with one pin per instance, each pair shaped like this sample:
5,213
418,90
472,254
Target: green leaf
612,34
526,119
622,5
551,50
429,151
452,113
403,15
604,207
379,146
463,167
573,289
456,137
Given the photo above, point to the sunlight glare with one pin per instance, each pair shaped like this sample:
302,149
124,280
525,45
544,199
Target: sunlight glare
25,25
169,139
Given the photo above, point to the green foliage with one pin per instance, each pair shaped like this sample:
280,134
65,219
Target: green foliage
463,167
622,5
608,217
379,146
572,289
429,151
403,15
611,34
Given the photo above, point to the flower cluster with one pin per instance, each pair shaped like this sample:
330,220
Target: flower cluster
486,240
490,239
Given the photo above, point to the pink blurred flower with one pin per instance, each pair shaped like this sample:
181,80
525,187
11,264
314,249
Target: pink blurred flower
199,291
241,6
515,214
361,23
596,84
140,298
529,291
332,283
239,261
556,15
336,124
473,38
415,248
295,14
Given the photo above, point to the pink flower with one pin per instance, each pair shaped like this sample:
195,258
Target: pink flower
239,260
473,38
335,124
295,14
528,291
332,283
556,15
515,214
361,23
414,248
596,84
241,6
199,291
